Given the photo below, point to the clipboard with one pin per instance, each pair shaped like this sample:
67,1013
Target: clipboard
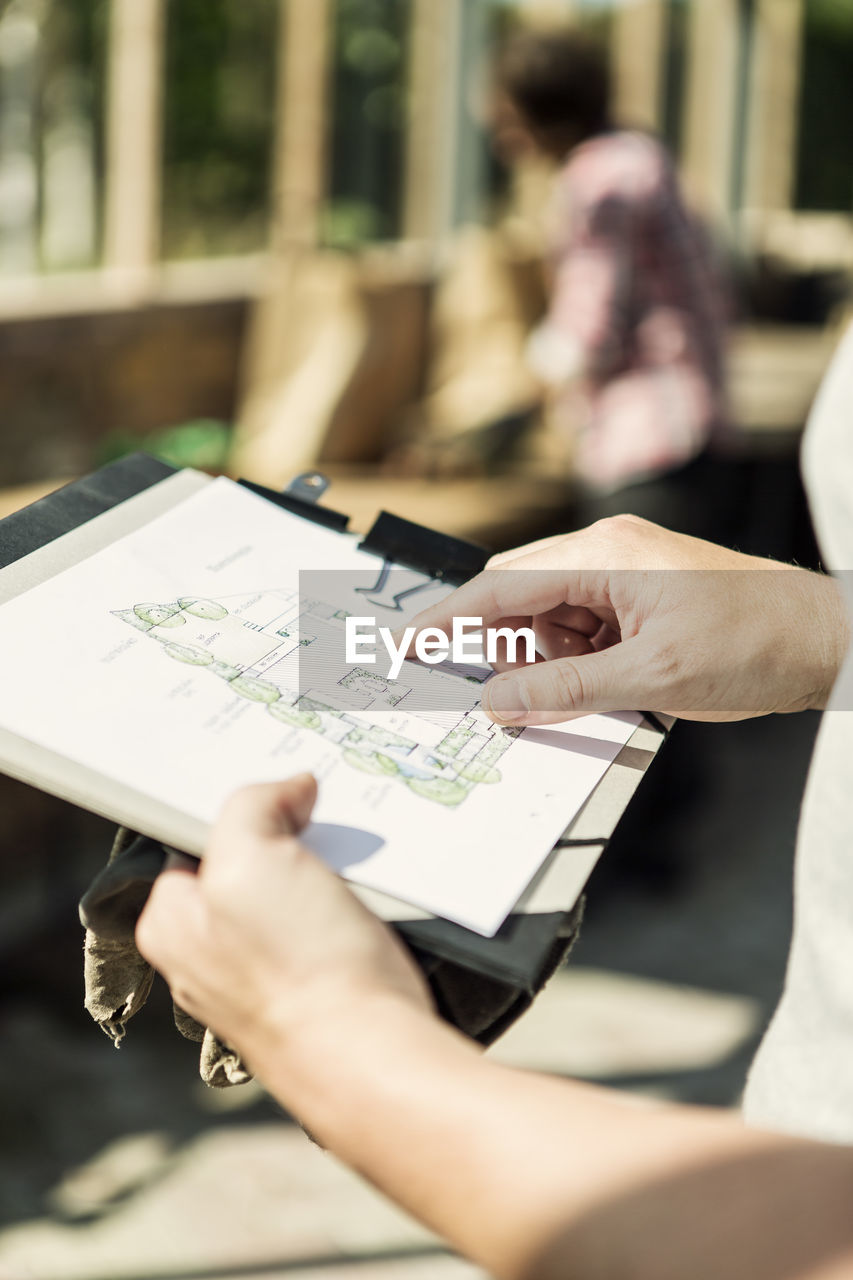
58,530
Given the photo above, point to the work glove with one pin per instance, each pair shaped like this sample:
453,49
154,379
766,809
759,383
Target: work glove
118,980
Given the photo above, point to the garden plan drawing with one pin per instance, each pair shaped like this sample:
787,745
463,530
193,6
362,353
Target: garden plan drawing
188,658
252,643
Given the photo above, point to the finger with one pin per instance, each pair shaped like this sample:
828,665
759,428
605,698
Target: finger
569,570
266,810
566,688
522,591
176,861
554,641
502,662
295,802
585,621
169,918
605,638
504,641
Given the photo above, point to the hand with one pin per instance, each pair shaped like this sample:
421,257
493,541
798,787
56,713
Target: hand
629,616
265,941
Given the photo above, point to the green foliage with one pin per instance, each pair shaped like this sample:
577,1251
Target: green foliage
833,17
825,152
368,117
218,122
349,223
202,444
71,72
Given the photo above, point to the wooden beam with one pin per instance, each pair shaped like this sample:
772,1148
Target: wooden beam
548,13
134,129
711,104
774,99
302,121
637,61
433,119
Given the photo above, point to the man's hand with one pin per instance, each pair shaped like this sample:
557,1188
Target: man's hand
629,616
265,942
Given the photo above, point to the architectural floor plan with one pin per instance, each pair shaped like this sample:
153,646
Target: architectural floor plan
254,643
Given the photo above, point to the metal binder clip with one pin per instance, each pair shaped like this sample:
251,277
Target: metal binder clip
308,487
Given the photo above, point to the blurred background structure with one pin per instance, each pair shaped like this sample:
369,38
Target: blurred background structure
260,235
219,213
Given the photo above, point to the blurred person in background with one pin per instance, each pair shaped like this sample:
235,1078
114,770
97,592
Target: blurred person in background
632,347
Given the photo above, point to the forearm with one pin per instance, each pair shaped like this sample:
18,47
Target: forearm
396,1095
535,1177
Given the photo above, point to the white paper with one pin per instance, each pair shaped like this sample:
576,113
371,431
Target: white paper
167,662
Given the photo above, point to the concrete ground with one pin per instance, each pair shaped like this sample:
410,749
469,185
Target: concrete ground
122,1166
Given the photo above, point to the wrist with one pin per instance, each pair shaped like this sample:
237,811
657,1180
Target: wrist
833,639
349,1057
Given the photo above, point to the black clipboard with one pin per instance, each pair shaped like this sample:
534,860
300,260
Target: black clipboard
521,952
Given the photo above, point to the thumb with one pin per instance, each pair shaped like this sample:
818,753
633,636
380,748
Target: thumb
566,688
266,810
171,914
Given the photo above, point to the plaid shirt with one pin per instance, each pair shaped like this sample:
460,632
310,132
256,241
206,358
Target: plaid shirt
636,327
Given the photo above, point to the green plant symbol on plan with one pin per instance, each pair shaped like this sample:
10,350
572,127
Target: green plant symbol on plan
210,609
254,689
189,653
466,758
160,615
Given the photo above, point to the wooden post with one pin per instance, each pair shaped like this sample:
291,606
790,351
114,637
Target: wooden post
134,143
302,121
548,13
434,88
773,105
637,60
711,104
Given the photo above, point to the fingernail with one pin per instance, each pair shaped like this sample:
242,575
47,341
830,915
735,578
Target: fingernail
504,700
